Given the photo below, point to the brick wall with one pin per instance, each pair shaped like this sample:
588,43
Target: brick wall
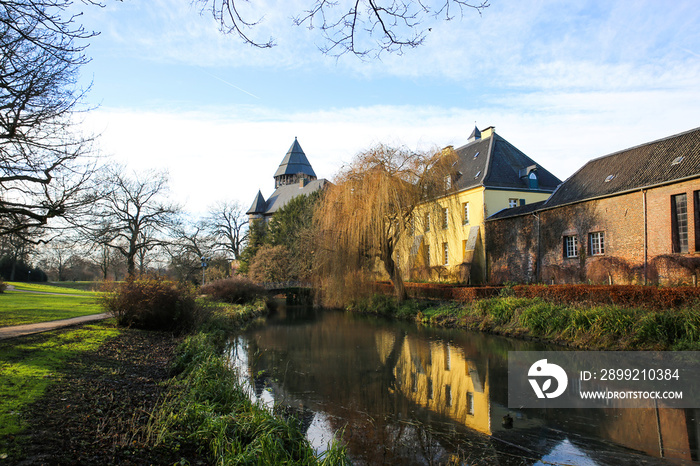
512,243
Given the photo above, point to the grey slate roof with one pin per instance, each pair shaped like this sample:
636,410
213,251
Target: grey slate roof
493,162
519,210
475,134
286,193
295,162
259,205
635,168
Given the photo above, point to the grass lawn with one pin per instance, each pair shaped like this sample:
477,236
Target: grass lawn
84,286
57,287
28,365
17,308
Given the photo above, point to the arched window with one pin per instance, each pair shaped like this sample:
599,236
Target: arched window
533,180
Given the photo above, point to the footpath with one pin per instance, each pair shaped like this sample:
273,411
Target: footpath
28,329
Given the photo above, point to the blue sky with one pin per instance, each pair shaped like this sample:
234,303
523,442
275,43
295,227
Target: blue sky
563,81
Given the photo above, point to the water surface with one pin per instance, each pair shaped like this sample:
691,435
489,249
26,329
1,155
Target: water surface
404,394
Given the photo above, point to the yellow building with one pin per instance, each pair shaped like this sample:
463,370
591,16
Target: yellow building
446,241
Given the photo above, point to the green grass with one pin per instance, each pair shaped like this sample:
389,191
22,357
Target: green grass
84,286
605,327
53,288
29,365
18,308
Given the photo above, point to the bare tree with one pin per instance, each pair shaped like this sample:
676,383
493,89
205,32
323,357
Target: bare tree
227,224
190,245
360,27
44,165
368,209
56,254
135,215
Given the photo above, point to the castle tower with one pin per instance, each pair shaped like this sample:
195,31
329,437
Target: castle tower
294,167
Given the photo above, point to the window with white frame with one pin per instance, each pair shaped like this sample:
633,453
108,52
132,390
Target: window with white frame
465,210
427,221
427,255
512,202
445,254
596,241
445,221
470,403
448,182
570,246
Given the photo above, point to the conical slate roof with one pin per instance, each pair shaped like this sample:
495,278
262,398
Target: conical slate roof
476,134
295,162
259,205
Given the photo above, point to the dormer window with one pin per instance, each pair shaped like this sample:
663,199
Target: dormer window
609,178
477,174
532,179
677,160
448,182
476,155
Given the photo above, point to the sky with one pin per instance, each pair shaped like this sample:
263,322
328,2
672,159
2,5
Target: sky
565,82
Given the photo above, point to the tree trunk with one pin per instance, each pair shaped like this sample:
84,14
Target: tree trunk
399,287
394,273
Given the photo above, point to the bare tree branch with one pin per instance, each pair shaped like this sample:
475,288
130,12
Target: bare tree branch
45,166
232,22
364,28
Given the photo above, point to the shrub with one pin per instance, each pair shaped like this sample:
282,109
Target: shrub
154,304
234,290
271,264
3,286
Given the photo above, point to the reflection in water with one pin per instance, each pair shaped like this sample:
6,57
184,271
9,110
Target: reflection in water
406,395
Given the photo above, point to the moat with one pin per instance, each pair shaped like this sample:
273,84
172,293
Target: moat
403,394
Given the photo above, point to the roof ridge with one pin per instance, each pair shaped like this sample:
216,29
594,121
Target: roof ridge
489,160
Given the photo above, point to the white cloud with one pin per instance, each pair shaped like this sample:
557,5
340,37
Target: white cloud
563,81
231,152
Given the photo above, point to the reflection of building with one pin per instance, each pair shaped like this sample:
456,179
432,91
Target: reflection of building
439,377
294,177
446,379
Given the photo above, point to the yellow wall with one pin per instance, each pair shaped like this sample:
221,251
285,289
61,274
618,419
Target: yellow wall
440,377
482,203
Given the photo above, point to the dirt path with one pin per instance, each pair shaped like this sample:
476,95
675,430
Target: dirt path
28,329
12,288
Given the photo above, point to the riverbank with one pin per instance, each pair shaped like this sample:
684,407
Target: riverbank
207,402
146,397
583,326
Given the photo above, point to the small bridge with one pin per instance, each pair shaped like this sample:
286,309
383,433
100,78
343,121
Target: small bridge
295,291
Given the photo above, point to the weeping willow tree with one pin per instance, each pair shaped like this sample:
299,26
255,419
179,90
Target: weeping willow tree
368,210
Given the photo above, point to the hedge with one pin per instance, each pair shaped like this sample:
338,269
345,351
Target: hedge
650,297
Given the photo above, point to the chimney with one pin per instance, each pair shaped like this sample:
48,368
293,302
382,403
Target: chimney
486,132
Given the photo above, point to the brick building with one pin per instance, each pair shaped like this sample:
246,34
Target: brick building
629,217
